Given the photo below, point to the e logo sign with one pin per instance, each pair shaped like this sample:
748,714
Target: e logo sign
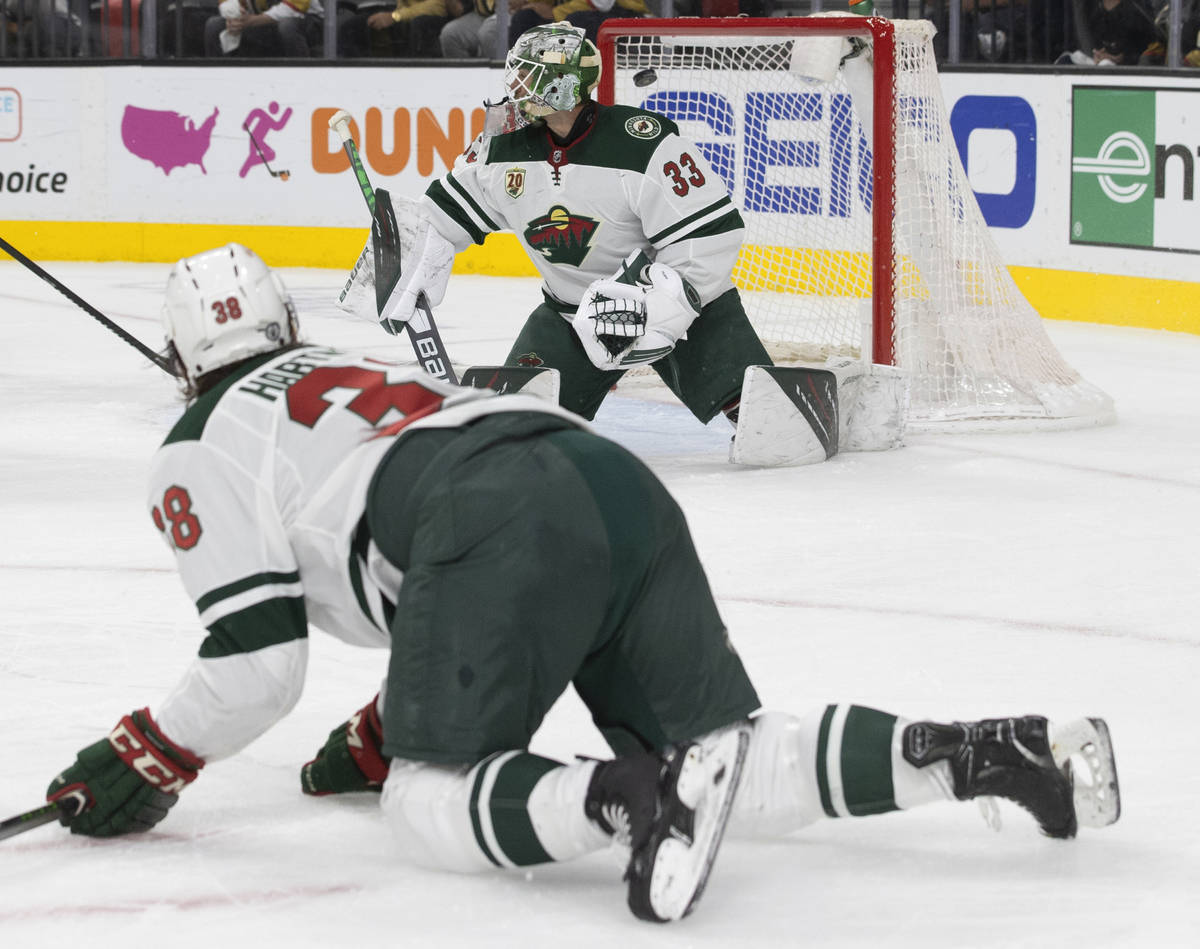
997,143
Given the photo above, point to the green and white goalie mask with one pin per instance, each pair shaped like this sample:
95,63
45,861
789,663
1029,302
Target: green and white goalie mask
551,68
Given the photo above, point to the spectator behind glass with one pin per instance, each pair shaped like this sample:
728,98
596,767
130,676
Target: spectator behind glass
1120,32
472,32
254,28
48,28
586,14
406,28
1011,31
1189,43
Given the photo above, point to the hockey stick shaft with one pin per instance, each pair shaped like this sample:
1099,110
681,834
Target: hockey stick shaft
71,295
46,814
427,343
340,123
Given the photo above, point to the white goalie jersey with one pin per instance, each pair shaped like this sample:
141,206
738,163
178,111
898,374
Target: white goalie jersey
259,489
630,182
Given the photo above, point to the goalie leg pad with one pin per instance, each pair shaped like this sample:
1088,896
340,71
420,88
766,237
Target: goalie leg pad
874,404
542,381
787,417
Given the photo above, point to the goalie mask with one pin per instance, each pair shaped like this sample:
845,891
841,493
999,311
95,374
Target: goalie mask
223,306
551,68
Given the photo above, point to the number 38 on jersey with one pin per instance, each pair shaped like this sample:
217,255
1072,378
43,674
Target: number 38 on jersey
176,519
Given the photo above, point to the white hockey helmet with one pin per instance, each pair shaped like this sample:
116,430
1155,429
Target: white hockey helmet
222,306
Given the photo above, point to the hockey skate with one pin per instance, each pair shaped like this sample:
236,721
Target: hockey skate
670,809
1063,775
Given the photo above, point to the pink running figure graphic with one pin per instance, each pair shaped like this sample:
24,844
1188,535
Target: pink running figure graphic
257,124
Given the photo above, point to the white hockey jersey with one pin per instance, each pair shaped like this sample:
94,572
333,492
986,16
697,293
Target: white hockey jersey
630,182
258,489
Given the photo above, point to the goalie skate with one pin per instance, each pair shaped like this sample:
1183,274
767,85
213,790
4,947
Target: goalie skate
1083,750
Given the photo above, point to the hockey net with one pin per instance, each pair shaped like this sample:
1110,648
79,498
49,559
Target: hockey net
863,237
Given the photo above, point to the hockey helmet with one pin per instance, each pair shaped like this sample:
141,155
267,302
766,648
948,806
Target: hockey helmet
551,68
222,306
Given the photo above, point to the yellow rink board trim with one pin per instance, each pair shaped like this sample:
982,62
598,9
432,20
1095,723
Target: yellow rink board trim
334,247
1067,295
1110,299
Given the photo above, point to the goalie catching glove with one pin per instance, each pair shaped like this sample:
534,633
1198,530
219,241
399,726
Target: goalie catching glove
405,258
636,316
124,783
350,759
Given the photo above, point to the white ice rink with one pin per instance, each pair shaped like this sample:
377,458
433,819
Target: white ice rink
958,577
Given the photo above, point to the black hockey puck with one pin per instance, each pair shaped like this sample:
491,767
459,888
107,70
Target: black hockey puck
645,77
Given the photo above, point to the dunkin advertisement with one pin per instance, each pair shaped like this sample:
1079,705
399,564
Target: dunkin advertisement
1073,177
225,146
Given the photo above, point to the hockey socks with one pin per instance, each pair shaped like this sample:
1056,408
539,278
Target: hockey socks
839,761
512,809
851,761
860,769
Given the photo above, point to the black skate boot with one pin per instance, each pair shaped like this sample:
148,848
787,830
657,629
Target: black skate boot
1000,757
670,809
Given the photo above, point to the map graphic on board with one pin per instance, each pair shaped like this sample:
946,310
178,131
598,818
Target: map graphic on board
165,138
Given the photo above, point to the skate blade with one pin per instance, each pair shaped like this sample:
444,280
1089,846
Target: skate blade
707,784
1083,749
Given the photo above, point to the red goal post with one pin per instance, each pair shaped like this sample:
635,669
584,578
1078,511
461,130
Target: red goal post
876,29
863,237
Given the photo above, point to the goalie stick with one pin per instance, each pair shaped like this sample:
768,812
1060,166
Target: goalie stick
159,360
423,332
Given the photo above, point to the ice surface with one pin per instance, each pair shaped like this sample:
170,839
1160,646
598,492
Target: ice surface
958,577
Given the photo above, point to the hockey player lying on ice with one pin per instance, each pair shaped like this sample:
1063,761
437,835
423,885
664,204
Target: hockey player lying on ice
399,515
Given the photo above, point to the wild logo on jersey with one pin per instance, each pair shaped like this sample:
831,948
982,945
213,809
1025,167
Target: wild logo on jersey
643,126
560,236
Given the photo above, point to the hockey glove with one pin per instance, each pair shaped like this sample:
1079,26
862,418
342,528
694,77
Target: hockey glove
622,325
350,759
610,320
126,782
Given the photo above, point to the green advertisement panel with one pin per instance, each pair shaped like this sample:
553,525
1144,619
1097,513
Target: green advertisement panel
1112,166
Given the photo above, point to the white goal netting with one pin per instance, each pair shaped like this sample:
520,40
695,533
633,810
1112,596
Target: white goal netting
785,111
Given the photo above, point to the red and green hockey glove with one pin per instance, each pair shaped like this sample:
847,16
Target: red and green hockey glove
350,759
124,783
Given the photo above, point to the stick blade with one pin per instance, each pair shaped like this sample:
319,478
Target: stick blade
385,243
